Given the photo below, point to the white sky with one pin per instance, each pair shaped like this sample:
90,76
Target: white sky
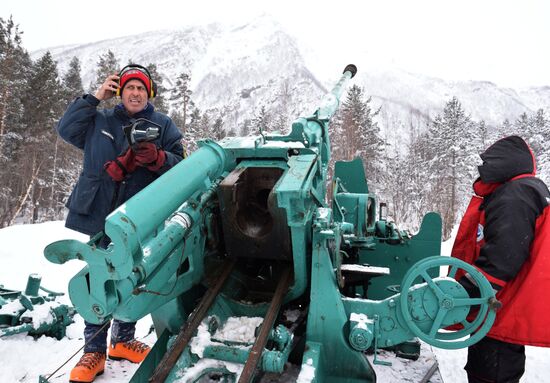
504,41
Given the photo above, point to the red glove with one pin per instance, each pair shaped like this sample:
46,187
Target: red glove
147,155
121,166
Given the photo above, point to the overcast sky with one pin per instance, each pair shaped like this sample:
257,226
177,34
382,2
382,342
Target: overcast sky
503,41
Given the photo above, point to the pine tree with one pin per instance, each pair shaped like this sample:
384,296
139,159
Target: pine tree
205,126
538,138
246,127
42,110
281,118
15,66
177,118
67,159
505,129
354,133
416,170
456,145
521,126
192,132
359,132
107,65
72,81
160,99
483,134
405,175
218,132
262,121
231,132
181,95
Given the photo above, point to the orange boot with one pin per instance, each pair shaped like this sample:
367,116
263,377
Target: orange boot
90,365
133,350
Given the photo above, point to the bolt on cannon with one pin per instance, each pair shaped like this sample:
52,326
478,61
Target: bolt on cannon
240,230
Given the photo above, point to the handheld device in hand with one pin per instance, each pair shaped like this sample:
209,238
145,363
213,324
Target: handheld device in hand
141,130
116,92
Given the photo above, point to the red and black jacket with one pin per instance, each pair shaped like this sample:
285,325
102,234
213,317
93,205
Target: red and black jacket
505,234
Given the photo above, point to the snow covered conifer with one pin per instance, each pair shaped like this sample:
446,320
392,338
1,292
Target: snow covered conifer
455,146
107,65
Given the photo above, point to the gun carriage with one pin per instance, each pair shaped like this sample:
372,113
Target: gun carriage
240,231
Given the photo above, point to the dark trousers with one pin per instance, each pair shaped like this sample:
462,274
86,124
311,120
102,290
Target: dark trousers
494,361
121,332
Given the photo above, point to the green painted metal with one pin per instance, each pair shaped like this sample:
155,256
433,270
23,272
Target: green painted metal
375,241
271,360
154,357
448,307
351,176
261,200
328,321
399,252
33,285
140,254
16,311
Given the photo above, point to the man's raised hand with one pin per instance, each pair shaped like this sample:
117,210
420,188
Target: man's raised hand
108,89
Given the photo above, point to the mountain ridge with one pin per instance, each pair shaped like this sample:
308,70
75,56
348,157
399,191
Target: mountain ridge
261,61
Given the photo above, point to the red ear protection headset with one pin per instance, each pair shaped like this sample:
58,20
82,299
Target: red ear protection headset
145,71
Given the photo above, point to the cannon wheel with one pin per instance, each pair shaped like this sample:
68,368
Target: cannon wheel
477,328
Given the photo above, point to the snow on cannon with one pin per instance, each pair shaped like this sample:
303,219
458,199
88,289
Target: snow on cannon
33,313
246,270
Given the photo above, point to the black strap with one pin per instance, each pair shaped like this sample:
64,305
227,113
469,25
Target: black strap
119,164
114,201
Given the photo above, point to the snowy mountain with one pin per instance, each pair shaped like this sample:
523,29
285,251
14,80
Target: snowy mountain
484,100
235,68
241,68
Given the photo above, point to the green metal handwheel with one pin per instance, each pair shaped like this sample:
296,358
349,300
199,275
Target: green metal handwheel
444,303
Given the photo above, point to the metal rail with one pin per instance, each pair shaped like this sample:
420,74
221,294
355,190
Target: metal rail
249,369
426,378
188,329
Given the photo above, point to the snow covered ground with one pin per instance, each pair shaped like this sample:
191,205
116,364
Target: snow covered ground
23,359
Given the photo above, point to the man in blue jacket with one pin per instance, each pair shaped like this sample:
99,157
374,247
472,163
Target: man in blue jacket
112,173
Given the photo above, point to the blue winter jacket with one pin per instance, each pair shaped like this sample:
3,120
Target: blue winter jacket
99,134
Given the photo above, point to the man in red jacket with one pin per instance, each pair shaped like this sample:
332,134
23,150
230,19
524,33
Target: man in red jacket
505,234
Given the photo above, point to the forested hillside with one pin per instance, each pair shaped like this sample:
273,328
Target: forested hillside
416,161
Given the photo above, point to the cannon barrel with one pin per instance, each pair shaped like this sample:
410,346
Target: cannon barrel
134,221
149,208
145,231
315,128
331,100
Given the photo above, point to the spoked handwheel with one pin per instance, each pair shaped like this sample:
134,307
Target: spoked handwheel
446,302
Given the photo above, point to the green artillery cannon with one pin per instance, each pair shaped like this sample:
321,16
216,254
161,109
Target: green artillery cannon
29,312
241,231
